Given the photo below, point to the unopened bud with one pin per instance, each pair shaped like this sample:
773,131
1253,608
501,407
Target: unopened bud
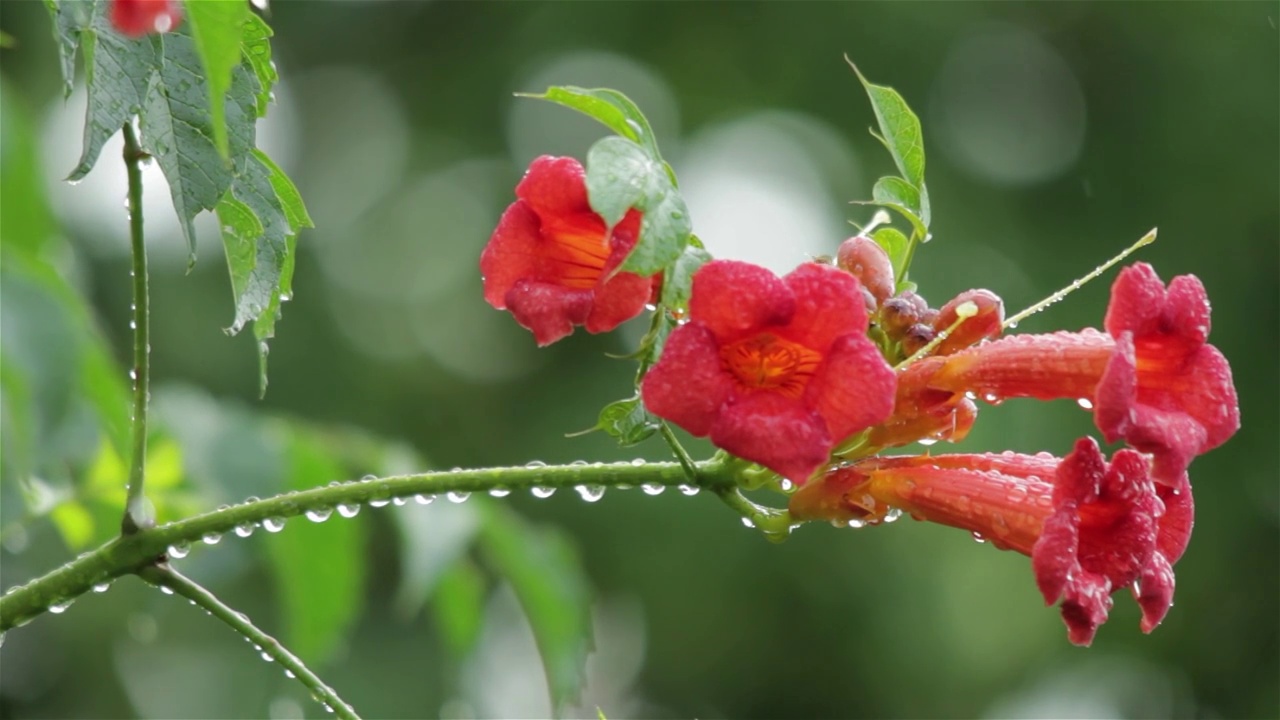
916,337
897,314
983,313
863,258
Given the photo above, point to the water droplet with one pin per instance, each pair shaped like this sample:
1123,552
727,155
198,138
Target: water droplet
499,492
457,496
59,608
368,478
991,398
856,524
102,587
542,493
653,488
399,501
786,485
379,502
892,515
424,499
1085,403
319,514
211,538
535,464
179,550
690,490
978,538
289,674
590,493
638,462
746,522
348,510
166,589
244,529
273,524
133,374
267,656
927,441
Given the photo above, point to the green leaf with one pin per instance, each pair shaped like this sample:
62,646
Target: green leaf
69,17
901,197
610,107
899,129
621,176
216,28
118,74
547,577
628,421
258,236
458,606
677,281
256,47
897,246
318,567
432,539
290,199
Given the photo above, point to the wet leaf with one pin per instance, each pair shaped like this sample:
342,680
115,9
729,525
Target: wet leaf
621,176
899,130
256,46
610,107
628,421
677,281
216,29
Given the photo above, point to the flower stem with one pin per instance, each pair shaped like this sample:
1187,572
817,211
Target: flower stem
165,576
133,552
136,516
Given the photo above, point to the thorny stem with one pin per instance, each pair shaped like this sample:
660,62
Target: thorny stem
136,516
165,576
133,552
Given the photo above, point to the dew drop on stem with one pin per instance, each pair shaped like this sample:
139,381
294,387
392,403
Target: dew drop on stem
424,498
653,488
179,550
102,587
590,493
244,530
319,514
166,589
690,490
499,492
348,510
399,501
211,538
273,524
542,493
59,608
457,496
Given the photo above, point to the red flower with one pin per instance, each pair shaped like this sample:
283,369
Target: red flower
1152,380
775,370
136,18
1090,527
552,260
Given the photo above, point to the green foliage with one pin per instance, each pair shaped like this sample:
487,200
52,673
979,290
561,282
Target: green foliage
628,421
546,575
613,109
457,606
318,567
197,92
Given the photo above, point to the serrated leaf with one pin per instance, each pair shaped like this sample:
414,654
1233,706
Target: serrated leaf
118,74
547,577
458,607
628,421
897,246
290,198
899,129
255,44
318,567
216,28
677,282
610,107
69,17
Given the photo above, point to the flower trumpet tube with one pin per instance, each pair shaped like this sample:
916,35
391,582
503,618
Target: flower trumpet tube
1090,527
1151,379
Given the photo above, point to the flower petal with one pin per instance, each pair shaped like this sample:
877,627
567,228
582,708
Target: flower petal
777,432
688,386
854,387
733,299
511,254
555,186
829,305
547,309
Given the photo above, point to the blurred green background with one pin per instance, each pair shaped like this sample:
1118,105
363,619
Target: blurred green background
1057,134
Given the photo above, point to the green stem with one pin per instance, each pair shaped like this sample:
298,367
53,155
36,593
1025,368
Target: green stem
131,553
165,576
682,455
136,516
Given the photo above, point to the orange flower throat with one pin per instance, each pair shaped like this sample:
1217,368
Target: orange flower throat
577,250
768,363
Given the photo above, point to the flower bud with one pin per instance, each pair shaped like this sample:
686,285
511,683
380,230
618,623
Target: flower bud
984,323
897,314
866,260
916,337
